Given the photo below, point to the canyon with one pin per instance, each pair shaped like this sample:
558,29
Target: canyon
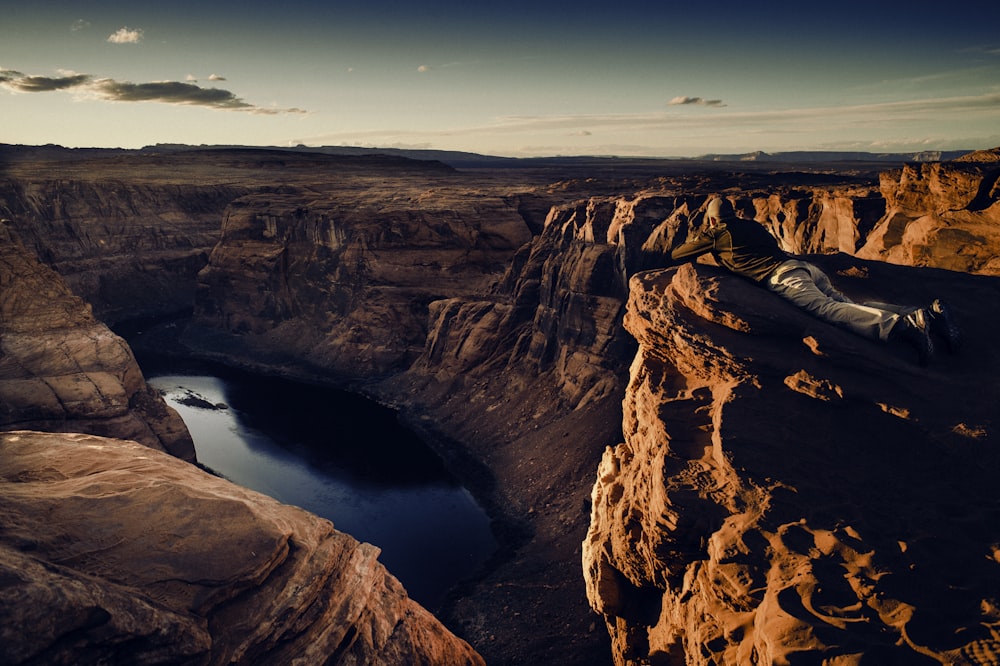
681,469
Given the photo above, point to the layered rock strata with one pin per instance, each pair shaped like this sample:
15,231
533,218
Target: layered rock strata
518,375
62,370
129,248
787,491
114,553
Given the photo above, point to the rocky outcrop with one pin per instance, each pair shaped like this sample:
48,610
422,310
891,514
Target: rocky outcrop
113,553
787,491
942,214
62,370
820,221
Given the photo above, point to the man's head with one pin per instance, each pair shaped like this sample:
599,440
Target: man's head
718,210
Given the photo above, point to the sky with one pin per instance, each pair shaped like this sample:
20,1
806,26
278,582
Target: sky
521,78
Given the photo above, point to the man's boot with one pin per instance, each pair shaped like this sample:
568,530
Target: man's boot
943,323
914,329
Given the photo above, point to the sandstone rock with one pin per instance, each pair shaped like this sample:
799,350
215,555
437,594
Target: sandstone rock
787,491
820,222
524,368
114,553
944,214
61,370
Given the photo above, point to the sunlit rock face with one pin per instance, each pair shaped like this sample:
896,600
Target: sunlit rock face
556,313
787,491
944,215
114,553
62,370
820,222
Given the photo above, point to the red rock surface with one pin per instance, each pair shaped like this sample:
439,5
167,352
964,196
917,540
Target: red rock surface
943,214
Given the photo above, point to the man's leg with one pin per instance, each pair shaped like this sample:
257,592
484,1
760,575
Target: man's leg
801,282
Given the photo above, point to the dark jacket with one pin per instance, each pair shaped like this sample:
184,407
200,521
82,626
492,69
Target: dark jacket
743,246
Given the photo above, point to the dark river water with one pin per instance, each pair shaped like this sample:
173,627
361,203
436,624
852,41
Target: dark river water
339,456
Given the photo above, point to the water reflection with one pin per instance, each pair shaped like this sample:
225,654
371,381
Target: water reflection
341,457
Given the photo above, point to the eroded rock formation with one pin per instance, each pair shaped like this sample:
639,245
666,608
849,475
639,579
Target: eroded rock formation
789,491
62,370
524,368
113,553
943,214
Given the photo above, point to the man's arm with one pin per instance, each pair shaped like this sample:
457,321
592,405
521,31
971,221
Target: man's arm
653,255
693,248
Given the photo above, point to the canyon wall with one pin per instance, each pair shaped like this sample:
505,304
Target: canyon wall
62,370
113,551
341,284
130,249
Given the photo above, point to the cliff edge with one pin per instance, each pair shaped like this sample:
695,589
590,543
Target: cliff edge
114,553
786,490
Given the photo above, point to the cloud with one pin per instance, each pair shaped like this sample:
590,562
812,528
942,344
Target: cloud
683,101
126,35
78,25
424,68
167,92
191,78
19,82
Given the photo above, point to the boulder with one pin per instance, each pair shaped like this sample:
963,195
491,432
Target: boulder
114,553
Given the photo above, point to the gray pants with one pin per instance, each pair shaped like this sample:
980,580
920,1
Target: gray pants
809,288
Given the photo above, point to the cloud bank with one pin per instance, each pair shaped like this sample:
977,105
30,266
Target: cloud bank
167,92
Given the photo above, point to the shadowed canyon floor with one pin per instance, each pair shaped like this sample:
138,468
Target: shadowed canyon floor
767,487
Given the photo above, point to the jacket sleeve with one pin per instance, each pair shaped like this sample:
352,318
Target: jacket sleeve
693,248
662,258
